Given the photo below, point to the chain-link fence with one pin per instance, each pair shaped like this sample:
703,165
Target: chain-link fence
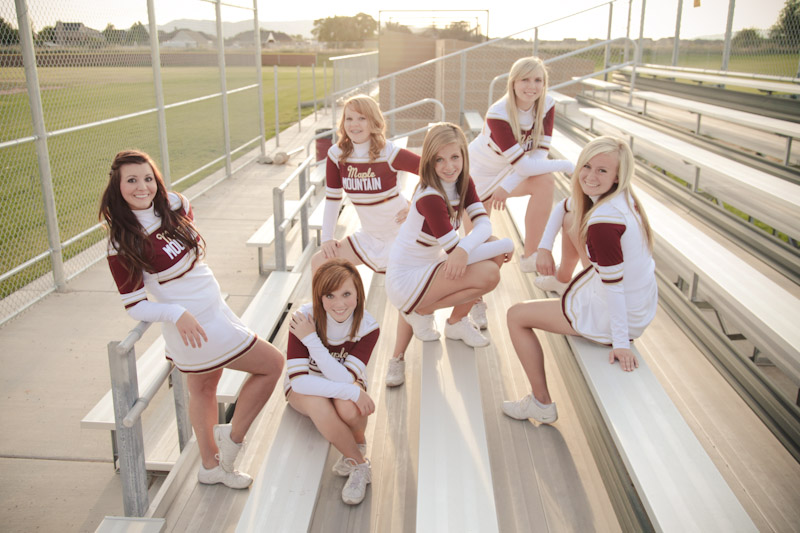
74,94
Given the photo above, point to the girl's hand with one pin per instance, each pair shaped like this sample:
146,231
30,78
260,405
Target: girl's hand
544,262
498,199
191,331
330,248
627,359
401,216
365,404
300,325
456,264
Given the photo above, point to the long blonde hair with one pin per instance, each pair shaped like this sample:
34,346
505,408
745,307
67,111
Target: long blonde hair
439,136
369,108
522,68
583,204
328,278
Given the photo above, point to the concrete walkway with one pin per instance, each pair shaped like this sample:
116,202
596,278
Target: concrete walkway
57,476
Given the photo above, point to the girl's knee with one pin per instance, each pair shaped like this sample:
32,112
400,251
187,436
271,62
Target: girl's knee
347,411
514,314
492,277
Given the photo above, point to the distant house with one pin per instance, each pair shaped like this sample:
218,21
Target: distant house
71,33
188,39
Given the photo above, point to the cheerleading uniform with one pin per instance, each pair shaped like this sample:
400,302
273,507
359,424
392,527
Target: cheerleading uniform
497,159
374,191
336,369
428,235
614,299
180,282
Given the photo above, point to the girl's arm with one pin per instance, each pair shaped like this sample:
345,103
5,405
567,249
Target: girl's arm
333,200
482,226
302,327
134,297
603,240
406,161
554,224
297,369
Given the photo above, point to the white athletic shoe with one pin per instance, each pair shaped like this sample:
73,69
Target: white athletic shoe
396,375
527,264
478,315
550,284
234,480
342,467
424,326
528,407
228,450
356,486
464,330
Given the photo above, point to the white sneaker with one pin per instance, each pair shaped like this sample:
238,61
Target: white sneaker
424,326
396,375
465,331
356,486
228,450
527,264
342,468
529,407
478,315
550,284
234,480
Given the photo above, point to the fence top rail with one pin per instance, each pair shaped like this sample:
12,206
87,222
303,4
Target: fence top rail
459,52
351,56
133,336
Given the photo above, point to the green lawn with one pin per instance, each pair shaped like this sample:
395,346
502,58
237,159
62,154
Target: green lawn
80,160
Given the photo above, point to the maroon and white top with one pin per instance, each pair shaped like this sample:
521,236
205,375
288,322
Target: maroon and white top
337,369
371,185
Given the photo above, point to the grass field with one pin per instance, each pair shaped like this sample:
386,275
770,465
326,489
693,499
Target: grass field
80,160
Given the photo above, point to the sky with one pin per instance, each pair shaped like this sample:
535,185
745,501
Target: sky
504,17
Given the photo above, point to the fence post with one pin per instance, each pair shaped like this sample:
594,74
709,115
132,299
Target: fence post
325,81
130,442
155,60
536,41
726,51
677,42
277,112
462,90
223,88
299,114
280,235
260,78
303,186
42,155
392,105
628,32
314,86
180,394
608,38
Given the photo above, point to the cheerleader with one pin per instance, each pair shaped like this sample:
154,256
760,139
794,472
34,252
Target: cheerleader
365,165
615,297
330,342
154,249
509,156
430,267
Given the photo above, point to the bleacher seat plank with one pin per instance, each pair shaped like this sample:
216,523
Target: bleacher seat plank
676,480
128,524
265,234
761,85
759,194
284,493
454,489
473,123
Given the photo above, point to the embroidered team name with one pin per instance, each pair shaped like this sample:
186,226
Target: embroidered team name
173,248
526,141
361,181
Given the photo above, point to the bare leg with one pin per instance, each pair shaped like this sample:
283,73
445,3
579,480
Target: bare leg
479,278
264,363
326,419
345,251
351,416
403,336
203,413
540,189
540,314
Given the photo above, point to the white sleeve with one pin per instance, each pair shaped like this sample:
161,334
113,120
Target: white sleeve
148,311
617,314
319,386
481,231
329,217
532,165
554,224
488,250
330,367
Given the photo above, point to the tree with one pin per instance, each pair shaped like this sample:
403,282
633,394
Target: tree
396,26
786,30
337,29
47,35
8,34
137,34
113,35
747,38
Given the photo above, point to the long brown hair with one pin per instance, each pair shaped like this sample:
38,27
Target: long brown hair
583,204
439,136
125,233
328,278
368,107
